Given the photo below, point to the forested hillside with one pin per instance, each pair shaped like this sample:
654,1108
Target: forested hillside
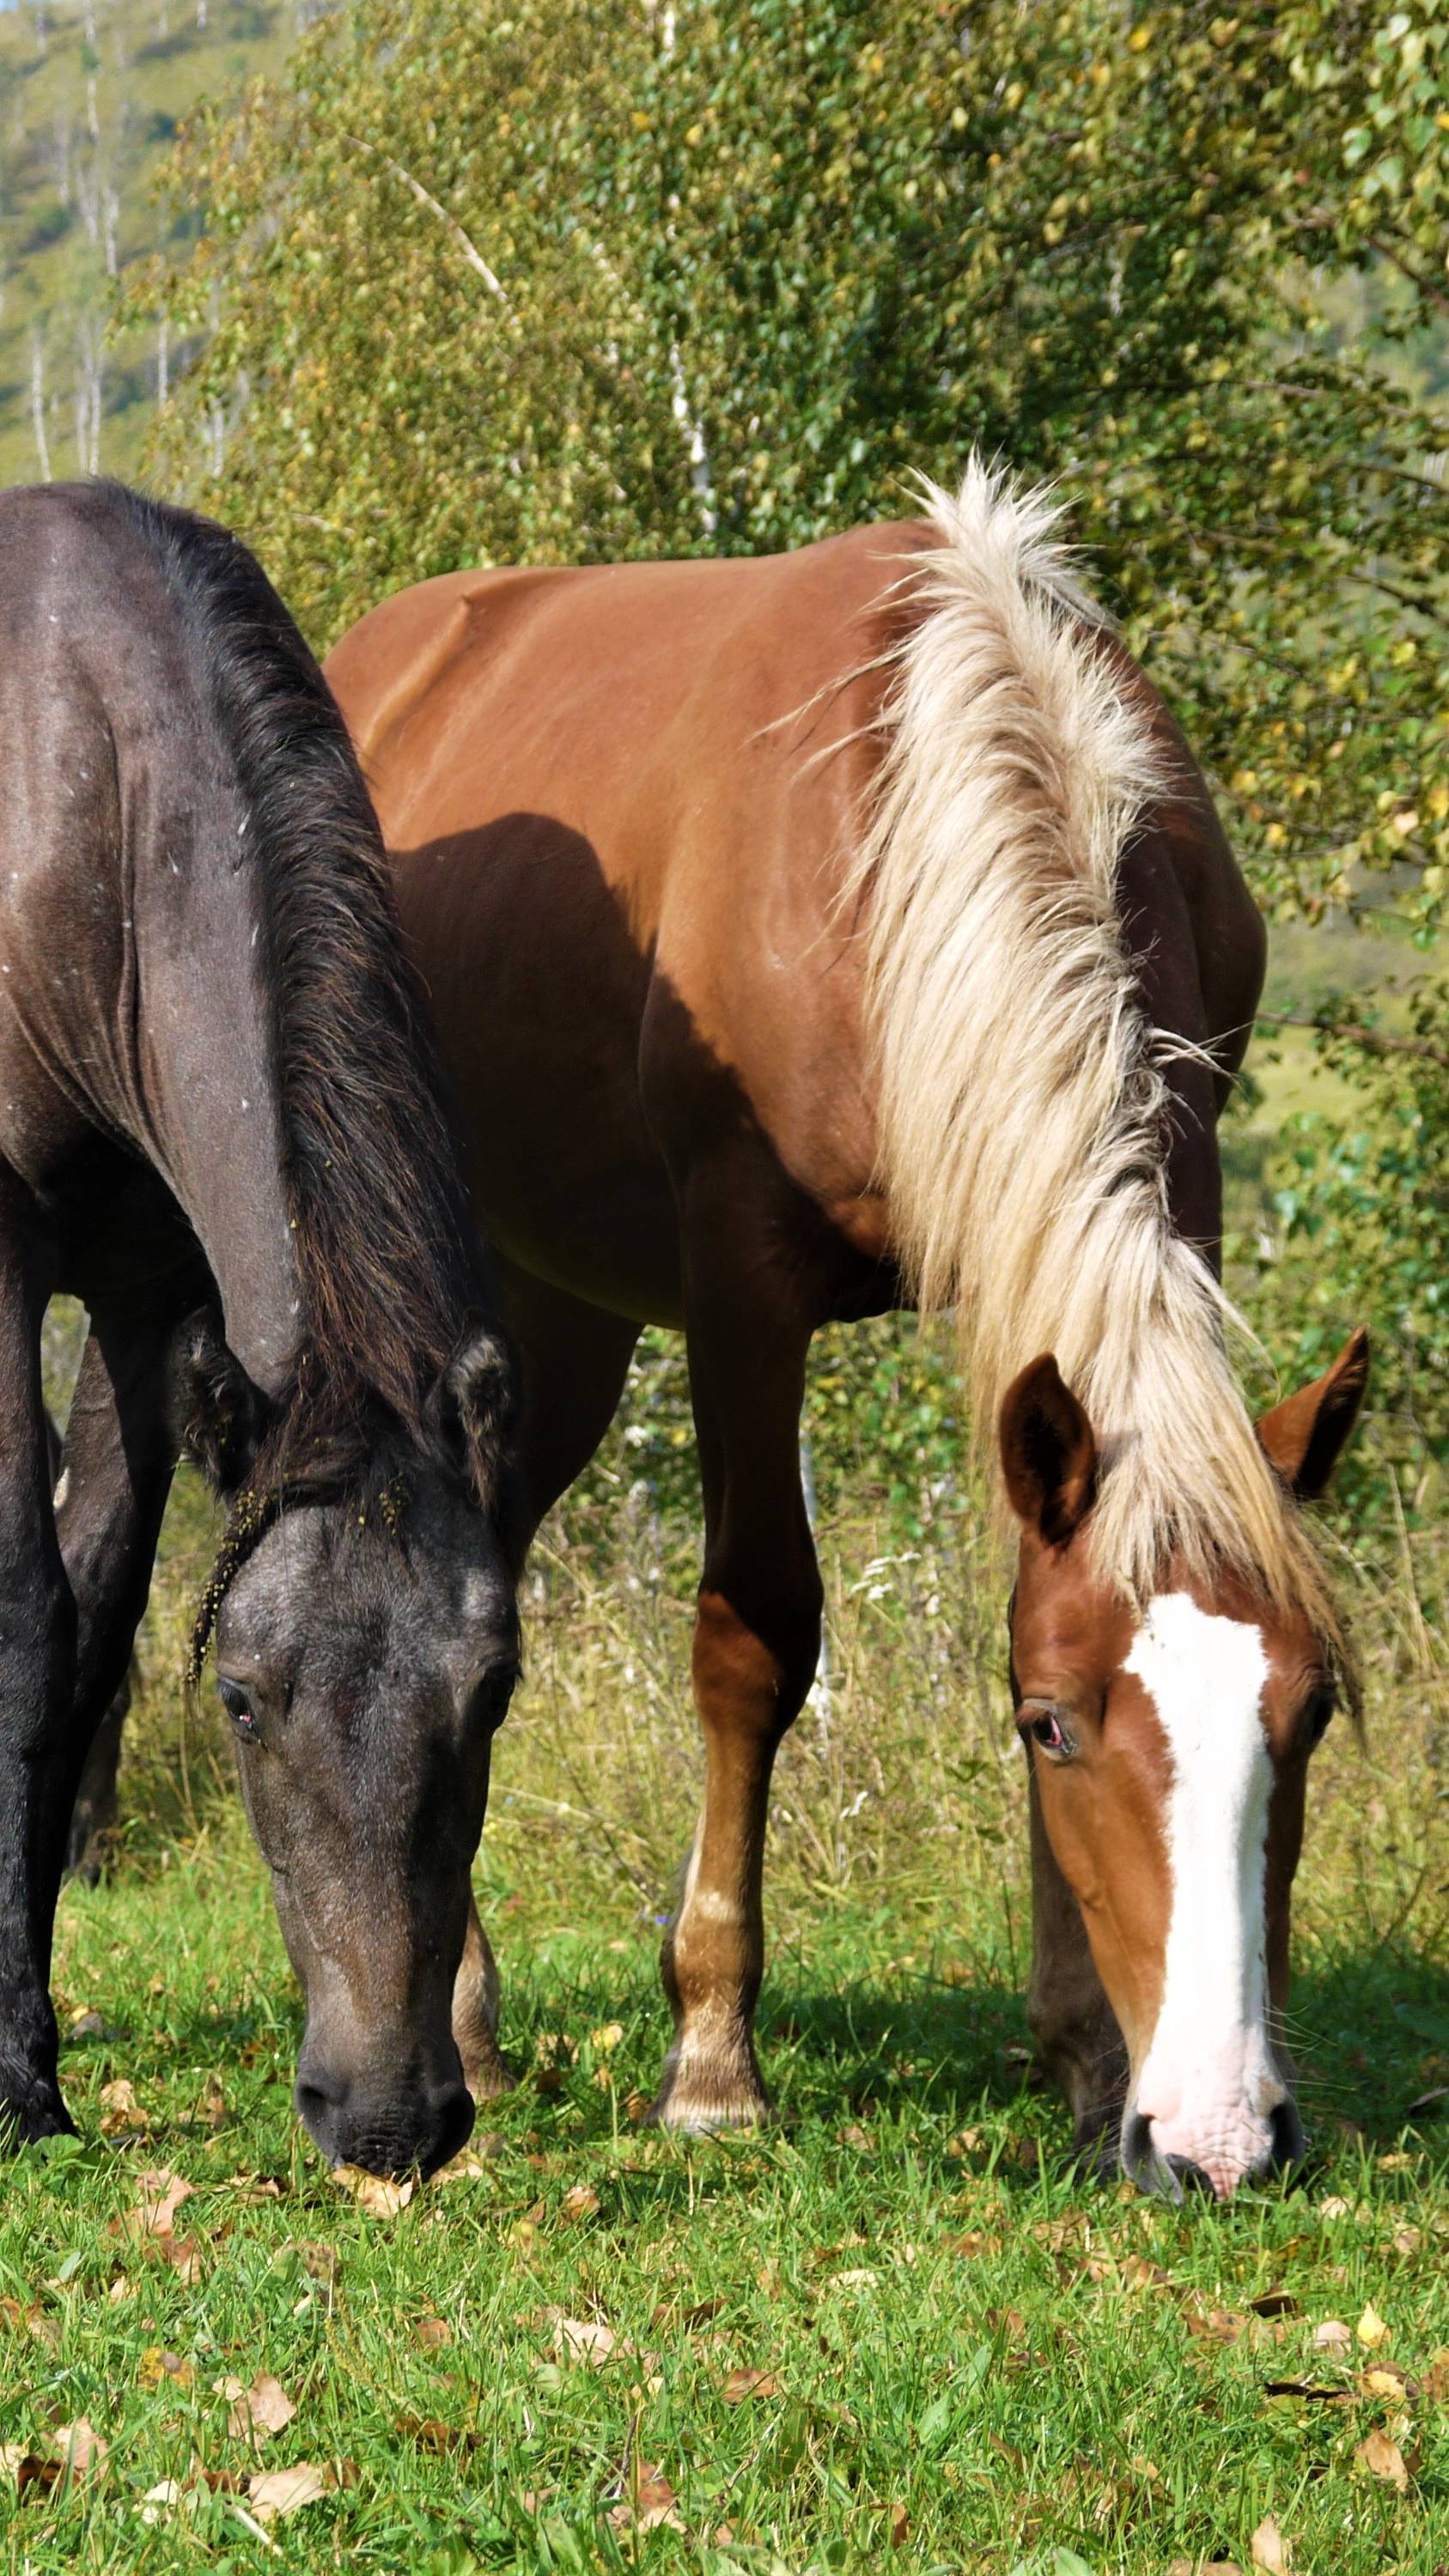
91,95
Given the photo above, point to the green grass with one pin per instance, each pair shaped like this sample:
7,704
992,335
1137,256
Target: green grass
964,2348
950,2329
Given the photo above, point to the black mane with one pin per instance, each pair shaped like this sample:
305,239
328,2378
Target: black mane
390,1268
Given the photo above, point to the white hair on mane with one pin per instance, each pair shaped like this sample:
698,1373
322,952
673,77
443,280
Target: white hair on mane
1022,1100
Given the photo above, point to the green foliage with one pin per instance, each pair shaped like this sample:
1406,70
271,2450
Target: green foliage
85,125
1364,1206
847,242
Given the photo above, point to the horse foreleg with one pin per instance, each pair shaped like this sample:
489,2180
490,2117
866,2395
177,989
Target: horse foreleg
1078,2041
756,1645
37,1664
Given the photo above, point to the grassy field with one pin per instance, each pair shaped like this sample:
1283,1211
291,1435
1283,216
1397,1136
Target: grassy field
891,2331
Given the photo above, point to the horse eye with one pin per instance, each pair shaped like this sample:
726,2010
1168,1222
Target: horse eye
1320,1709
1046,1730
493,1693
238,1707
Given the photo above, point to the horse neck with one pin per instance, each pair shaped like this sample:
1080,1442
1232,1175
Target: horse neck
208,1085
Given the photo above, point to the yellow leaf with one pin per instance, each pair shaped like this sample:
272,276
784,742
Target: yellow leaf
1371,2329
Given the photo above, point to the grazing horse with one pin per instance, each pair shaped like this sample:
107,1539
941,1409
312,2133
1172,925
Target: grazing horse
222,1128
813,934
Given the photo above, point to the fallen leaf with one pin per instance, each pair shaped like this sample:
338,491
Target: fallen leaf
1333,2206
607,2036
159,2195
27,2468
167,2497
211,2111
579,2203
1371,2329
858,2138
1216,2325
1269,2550
900,2526
1383,2459
649,2501
375,2195
1384,2380
584,2339
277,2491
1332,2336
433,2332
1306,2388
431,2434
1275,2303
80,2449
861,2278
157,2364
318,2261
121,2113
183,2253
86,2023
749,2383
255,2412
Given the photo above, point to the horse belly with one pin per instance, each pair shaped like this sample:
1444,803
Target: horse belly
538,993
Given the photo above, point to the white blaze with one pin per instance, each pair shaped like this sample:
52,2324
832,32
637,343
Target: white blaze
1208,2082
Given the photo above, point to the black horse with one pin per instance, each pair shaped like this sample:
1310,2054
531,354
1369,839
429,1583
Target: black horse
223,1129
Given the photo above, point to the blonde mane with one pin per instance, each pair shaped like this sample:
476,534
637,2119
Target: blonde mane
1022,1099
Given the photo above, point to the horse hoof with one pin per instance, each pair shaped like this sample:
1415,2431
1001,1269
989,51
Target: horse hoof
700,2100
29,2113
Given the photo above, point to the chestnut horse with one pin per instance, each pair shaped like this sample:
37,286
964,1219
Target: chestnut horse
223,1129
812,934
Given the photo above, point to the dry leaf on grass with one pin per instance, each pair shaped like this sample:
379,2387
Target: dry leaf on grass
1384,2380
579,2203
583,2339
749,2383
277,2491
159,2195
254,2412
431,2434
900,2526
649,2501
26,2468
375,2196
1371,2329
157,2365
1332,2336
80,2449
121,2113
1269,2550
1383,2458
433,2333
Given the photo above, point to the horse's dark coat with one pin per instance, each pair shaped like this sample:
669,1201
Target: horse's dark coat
217,1091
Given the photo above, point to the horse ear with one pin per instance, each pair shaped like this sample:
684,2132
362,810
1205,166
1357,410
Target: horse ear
473,1402
1048,1453
215,1409
1304,1435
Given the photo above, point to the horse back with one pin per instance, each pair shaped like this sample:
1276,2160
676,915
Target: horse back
624,802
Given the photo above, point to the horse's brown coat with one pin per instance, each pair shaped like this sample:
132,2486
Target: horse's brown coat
622,803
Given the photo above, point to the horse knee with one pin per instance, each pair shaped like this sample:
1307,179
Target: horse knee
760,1672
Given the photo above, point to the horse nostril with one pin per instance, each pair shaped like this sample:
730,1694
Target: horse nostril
1287,2134
318,2096
454,2112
